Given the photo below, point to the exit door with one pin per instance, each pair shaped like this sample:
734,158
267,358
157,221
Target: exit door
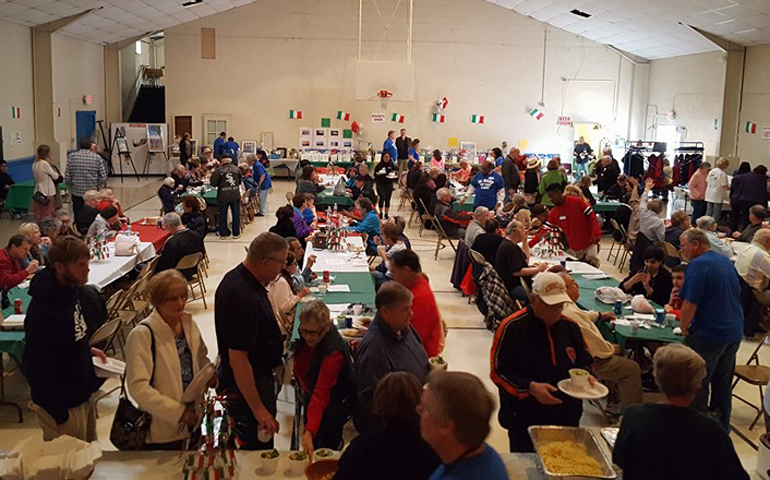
85,125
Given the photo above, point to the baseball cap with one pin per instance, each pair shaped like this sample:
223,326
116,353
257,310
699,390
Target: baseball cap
550,288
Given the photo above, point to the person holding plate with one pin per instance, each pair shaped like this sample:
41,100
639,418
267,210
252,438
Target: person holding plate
384,173
163,355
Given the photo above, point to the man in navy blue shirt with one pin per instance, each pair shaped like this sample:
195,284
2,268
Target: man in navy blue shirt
390,146
219,145
712,319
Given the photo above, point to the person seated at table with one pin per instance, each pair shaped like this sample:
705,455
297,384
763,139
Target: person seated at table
390,345
303,229
423,196
532,351
108,199
463,174
650,223
680,221
57,357
585,186
369,224
674,304
308,182
757,215
284,298
11,271
38,245
489,242
709,225
455,410
163,355
453,222
308,214
50,227
303,275
481,215
386,249
413,177
753,265
363,188
208,160
512,262
371,455
426,319
88,212
653,282
608,362
399,221
195,171
488,186
5,181
324,372
284,226
107,223
249,184
193,218
670,439
167,195
436,160
181,178
620,190
575,191
182,242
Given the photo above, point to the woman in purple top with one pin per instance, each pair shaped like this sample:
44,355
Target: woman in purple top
303,229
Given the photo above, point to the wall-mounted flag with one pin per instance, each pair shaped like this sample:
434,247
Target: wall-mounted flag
15,112
396,117
476,118
537,113
438,118
295,114
343,115
751,127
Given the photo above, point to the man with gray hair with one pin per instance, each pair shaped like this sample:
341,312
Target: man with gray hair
249,340
712,319
454,223
88,211
182,242
709,227
476,227
753,265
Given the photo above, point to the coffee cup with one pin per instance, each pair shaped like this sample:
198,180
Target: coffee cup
634,324
357,309
322,289
670,320
578,377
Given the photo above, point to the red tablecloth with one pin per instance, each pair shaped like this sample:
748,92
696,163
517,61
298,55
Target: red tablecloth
150,233
325,170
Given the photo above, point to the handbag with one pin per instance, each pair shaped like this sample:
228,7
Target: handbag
38,197
130,425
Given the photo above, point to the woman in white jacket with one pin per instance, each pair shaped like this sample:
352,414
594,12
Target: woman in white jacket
179,355
45,183
283,298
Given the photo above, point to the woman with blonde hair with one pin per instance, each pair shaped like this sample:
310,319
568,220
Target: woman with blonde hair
46,177
574,191
38,245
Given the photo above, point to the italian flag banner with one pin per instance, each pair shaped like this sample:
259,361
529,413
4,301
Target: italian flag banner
438,118
397,117
476,118
751,127
15,112
343,115
536,113
295,114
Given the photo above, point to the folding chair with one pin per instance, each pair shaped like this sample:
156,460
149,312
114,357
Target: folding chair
441,236
670,251
754,374
193,261
425,217
616,244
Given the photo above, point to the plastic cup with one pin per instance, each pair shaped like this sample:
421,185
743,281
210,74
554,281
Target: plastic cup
634,324
322,290
670,319
269,465
578,377
297,467
357,309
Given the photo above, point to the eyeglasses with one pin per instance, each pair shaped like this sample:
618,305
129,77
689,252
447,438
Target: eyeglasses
279,260
311,333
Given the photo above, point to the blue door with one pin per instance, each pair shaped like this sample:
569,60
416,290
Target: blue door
85,125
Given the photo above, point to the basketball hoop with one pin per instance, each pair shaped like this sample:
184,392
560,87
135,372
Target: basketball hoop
384,97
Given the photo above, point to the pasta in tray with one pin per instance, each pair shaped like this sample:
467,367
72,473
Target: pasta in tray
569,458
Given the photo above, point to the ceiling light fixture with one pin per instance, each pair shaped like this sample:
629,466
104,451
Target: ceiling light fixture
577,12
191,3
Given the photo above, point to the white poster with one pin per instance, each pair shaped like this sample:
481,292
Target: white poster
378,118
137,142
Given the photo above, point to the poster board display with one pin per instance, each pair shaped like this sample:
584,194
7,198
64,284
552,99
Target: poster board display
157,136
248,147
137,143
305,138
320,138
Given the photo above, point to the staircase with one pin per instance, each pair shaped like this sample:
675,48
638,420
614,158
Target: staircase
150,105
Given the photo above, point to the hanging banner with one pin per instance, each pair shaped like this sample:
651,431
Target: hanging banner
378,118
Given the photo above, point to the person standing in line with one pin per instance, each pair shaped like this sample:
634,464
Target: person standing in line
227,179
488,186
231,149
45,183
403,144
414,154
511,175
385,174
219,145
185,150
717,189
578,221
264,183
85,171
582,152
712,320
389,145
697,186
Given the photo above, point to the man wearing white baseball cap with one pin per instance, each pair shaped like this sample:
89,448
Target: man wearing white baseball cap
532,351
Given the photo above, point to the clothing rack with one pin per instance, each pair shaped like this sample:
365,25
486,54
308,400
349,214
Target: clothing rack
690,147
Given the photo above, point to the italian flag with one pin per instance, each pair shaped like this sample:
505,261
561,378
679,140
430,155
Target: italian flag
751,127
476,118
343,115
438,118
15,112
537,113
397,118
295,114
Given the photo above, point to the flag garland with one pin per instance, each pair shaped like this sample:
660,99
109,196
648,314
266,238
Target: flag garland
396,117
536,113
437,117
343,115
295,114
751,127
476,118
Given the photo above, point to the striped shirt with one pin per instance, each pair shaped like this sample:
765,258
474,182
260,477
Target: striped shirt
85,171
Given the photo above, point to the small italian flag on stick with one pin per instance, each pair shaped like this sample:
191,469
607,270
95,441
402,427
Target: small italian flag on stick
438,118
397,117
537,113
295,114
343,115
15,112
751,127
476,118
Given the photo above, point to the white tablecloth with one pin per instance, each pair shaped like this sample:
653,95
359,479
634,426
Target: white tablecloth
104,272
331,180
339,261
577,268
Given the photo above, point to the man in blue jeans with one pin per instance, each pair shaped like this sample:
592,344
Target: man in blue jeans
712,319
227,179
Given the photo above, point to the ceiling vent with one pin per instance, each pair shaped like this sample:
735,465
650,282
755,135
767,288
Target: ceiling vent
580,14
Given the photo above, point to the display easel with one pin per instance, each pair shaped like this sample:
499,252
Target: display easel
119,140
146,171
107,145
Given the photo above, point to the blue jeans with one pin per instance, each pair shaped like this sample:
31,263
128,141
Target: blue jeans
581,169
235,209
720,367
263,201
714,210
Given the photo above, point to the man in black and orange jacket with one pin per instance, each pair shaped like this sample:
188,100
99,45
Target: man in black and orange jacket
533,350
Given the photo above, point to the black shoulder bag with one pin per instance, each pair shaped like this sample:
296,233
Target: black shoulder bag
130,425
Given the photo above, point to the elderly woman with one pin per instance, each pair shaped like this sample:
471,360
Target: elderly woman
709,225
282,296
38,244
717,188
324,371
45,183
163,355
167,195
512,262
670,439
463,174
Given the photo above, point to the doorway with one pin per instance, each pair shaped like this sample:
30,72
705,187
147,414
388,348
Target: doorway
85,125
182,125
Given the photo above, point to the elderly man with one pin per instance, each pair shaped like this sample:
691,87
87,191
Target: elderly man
85,171
57,357
454,223
650,223
208,159
712,319
512,262
578,221
88,211
476,227
511,174
11,273
454,420
582,153
709,227
757,215
608,365
621,190
607,173
182,242
532,351
106,223
753,265
249,340
227,179
391,345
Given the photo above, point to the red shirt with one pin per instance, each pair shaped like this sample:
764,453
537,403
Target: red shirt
327,378
425,317
11,273
578,221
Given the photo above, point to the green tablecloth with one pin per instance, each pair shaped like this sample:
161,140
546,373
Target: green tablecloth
466,206
606,206
209,195
326,197
13,294
12,343
20,196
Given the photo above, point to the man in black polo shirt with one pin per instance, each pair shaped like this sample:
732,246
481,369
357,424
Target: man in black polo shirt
249,341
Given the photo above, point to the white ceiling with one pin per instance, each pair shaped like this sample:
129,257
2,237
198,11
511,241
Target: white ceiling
646,28
651,28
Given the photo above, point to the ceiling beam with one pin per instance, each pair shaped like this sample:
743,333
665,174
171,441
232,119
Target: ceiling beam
124,43
724,45
56,25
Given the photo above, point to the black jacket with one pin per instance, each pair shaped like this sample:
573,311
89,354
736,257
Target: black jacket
402,147
511,175
180,245
167,197
413,178
227,179
196,223
86,217
57,357
284,228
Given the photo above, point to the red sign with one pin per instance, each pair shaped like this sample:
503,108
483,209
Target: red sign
564,120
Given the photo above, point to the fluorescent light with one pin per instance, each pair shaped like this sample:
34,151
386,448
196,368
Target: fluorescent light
138,47
191,3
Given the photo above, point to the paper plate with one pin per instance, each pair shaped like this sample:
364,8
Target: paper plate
594,392
113,367
198,385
